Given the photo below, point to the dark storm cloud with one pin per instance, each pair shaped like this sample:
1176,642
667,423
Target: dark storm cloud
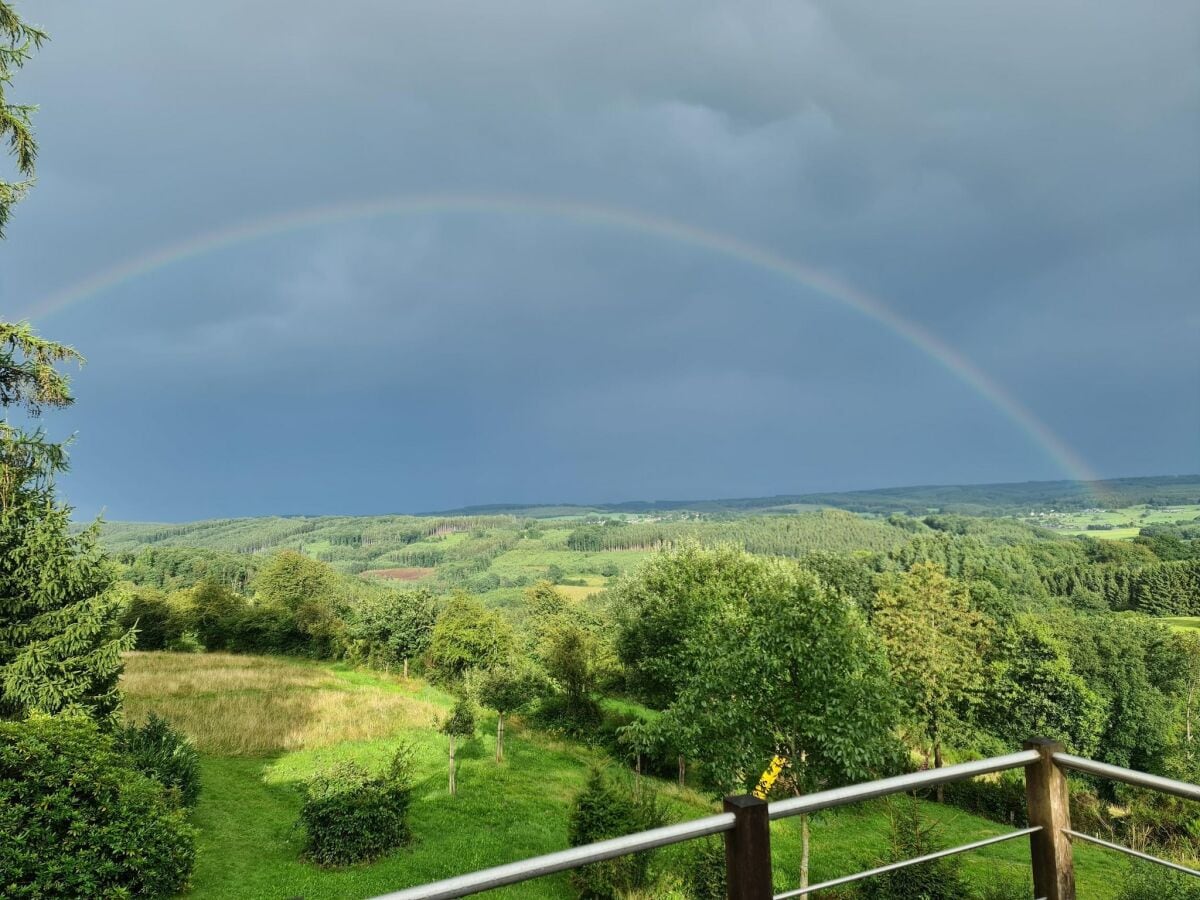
1020,178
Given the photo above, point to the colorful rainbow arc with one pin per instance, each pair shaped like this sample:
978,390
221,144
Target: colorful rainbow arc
656,226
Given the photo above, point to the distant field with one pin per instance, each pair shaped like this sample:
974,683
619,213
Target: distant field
1118,524
1183,623
267,724
409,574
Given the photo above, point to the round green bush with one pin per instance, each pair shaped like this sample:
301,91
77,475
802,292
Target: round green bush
77,819
351,816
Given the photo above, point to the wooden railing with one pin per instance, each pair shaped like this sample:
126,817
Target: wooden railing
746,826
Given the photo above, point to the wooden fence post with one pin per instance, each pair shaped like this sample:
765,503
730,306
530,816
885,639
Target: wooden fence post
1047,795
748,850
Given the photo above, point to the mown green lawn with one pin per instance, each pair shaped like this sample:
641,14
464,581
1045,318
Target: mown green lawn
249,846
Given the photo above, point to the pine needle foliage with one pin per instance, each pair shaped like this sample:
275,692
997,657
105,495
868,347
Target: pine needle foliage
60,647
18,42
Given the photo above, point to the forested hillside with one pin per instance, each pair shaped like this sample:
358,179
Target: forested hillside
937,638
971,499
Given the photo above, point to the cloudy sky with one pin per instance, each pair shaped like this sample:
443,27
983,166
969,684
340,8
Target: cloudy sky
1018,182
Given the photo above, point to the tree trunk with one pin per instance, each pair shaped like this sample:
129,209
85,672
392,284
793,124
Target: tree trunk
500,737
1191,695
937,764
406,668
804,835
804,854
637,778
453,786
682,771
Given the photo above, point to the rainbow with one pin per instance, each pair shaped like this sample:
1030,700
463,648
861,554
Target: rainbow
643,223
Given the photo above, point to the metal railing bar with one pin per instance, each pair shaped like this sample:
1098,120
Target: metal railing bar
1120,848
904,864
912,781
1129,776
523,870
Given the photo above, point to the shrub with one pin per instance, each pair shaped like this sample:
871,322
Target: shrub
1000,887
1000,799
704,878
602,811
166,755
1148,882
351,816
912,836
78,820
266,628
155,619
187,642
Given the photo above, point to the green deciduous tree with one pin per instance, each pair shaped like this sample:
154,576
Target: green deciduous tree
935,643
309,589
660,607
1032,689
394,626
780,666
506,689
460,725
469,636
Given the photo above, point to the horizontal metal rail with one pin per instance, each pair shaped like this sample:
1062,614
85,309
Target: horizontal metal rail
1129,776
525,869
913,781
1120,848
904,864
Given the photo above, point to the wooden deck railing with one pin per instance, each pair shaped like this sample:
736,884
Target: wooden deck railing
746,826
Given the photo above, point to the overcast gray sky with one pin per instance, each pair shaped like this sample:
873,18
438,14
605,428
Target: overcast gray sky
1021,180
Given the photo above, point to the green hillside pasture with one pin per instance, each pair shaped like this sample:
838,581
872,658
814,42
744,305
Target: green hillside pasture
532,557
1182,623
1123,523
267,724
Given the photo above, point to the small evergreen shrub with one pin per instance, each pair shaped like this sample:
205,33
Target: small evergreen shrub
78,820
351,816
166,755
604,810
912,836
704,878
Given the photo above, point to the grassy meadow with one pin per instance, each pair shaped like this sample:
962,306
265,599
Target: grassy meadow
1182,623
266,724
1118,524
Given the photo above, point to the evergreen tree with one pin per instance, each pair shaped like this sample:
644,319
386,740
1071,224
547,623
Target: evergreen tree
60,646
18,41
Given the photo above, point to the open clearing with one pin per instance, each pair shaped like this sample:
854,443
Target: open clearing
1182,623
1117,524
413,573
265,724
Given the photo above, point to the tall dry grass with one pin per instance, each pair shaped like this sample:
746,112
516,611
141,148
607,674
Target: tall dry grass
232,705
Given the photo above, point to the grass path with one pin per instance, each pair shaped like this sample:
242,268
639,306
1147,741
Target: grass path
248,846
